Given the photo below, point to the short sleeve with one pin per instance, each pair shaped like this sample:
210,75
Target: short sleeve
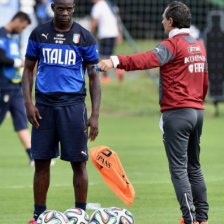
2,43
90,51
32,52
95,13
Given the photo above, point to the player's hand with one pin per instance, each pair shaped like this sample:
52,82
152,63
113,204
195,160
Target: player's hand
33,115
105,65
93,124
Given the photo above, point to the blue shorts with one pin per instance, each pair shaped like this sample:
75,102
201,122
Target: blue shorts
64,125
12,100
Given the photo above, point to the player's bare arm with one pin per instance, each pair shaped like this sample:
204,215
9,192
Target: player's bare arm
93,25
105,65
95,95
27,85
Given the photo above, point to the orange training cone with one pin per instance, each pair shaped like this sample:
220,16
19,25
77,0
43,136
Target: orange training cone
109,165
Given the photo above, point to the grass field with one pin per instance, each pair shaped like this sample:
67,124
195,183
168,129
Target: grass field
128,125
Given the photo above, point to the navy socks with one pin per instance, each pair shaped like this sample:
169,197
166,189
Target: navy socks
38,209
80,205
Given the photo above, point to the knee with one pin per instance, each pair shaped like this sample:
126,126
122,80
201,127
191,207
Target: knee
42,166
178,173
79,167
195,174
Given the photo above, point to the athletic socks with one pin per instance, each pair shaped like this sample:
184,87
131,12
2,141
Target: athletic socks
80,205
38,209
28,151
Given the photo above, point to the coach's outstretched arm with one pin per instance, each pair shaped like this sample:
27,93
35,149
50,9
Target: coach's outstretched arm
95,96
139,61
27,85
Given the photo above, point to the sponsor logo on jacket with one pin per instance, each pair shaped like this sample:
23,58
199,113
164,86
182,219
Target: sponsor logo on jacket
194,49
194,58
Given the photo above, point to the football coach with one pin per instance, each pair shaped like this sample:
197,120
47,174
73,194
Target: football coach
183,87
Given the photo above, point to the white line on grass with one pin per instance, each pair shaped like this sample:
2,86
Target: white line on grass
31,186
96,183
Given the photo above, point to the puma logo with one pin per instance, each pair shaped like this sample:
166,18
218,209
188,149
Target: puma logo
84,153
44,35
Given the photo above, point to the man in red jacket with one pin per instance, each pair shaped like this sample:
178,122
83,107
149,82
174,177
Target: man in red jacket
183,87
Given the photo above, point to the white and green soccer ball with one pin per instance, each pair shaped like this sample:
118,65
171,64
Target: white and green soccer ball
77,216
52,217
123,215
103,216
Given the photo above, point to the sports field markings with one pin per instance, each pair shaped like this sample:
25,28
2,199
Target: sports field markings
90,184
31,186
97,183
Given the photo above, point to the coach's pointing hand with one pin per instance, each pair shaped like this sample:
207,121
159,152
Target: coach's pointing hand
105,65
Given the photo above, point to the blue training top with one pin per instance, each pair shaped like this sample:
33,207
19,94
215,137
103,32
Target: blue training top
62,59
9,47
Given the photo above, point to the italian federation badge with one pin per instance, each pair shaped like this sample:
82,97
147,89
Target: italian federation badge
76,38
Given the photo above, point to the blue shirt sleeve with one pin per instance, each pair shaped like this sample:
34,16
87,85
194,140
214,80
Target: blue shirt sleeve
33,51
90,54
2,43
90,49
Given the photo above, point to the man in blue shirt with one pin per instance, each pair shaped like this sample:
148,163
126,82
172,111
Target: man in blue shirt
11,98
63,50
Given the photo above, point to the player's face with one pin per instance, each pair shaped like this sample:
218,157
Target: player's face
19,26
63,11
166,23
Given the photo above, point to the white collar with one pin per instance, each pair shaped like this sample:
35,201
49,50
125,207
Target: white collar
177,31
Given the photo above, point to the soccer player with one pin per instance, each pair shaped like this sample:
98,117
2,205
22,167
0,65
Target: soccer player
11,98
63,50
108,33
183,87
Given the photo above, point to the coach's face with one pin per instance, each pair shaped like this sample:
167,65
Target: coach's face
63,11
167,23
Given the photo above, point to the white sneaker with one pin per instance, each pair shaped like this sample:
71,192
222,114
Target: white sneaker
31,162
53,162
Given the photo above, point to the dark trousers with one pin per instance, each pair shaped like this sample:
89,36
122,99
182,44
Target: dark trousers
182,131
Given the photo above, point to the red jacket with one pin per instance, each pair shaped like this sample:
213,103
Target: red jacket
183,71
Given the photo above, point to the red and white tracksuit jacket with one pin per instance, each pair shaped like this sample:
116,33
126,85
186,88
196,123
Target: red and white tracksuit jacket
183,71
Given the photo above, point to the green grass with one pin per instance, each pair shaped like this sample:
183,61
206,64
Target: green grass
137,96
137,141
128,125
143,45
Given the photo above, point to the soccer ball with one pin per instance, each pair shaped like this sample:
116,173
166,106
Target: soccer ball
52,217
123,215
77,216
103,216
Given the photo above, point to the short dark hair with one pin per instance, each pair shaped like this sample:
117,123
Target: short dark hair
22,16
56,2
180,14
